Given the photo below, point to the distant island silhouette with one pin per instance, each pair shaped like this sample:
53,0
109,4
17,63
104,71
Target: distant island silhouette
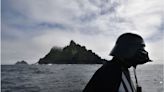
21,63
71,54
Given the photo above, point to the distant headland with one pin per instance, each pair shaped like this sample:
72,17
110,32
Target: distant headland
71,54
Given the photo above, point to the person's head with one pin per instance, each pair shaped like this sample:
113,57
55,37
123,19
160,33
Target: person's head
130,49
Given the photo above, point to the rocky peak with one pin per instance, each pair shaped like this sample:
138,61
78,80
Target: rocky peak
71,54
72,43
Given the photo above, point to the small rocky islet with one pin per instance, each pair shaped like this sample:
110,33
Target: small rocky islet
21,63
71,54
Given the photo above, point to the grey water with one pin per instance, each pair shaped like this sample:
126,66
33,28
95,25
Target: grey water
68,77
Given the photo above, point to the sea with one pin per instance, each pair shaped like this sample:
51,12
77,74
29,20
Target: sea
69,77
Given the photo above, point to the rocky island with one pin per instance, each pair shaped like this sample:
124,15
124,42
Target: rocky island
21,63
71,54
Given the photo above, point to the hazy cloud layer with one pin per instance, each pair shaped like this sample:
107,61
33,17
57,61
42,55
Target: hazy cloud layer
30,28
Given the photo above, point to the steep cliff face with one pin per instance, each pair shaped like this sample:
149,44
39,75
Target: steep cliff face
71,54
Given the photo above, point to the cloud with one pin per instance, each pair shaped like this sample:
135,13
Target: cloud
30,28
155,50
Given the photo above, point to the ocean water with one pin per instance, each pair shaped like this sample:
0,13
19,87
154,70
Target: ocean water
68,77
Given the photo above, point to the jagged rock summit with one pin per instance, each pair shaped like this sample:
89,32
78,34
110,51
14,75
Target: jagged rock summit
71,54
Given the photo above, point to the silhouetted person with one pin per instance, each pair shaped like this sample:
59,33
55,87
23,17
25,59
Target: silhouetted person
114,75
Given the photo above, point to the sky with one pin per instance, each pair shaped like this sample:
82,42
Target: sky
30,28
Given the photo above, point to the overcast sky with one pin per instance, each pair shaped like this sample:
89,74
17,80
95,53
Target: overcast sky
30,28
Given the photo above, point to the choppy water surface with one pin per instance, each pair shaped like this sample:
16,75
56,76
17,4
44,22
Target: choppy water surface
67,78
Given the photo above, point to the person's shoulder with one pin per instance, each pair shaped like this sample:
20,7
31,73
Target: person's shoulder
110,66
111,63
